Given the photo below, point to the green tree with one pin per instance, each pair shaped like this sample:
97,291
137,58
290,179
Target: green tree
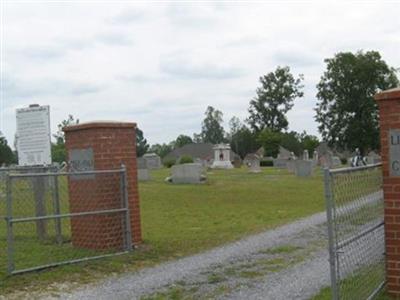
211,129
309,143
274,99
234,125
141,143
292,142
58,151
270,140
346,111
244,141
6,154
161,149
183,140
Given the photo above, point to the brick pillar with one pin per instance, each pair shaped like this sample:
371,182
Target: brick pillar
102,146
389,114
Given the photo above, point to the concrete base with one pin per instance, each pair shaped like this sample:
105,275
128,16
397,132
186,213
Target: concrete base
221,164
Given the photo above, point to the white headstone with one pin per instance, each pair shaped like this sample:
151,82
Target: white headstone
304,168
222,158
33,135
305,155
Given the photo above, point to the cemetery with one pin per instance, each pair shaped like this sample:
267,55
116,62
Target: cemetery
178,150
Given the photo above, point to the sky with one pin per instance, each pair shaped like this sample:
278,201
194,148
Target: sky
161,63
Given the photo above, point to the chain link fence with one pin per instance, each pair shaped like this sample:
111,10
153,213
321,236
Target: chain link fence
54,217
355,212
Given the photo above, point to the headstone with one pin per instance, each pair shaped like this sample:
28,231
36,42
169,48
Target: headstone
153,161
187,173
325,160
304,168
305,155
254,164
222,157
315,158
373,158
142,170
237,161
280,163
336,162
291,165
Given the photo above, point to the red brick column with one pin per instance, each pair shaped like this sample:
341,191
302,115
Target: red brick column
110,144
389,114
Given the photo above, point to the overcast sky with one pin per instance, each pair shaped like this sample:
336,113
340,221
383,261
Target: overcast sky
161,64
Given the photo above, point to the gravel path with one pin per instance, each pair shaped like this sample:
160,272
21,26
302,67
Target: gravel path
202,272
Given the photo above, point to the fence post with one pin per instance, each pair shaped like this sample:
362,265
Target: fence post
10,235
57,211
331,244
128,233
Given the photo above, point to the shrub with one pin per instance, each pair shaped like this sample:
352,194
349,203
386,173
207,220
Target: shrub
343,160
185,159
169,163
266,163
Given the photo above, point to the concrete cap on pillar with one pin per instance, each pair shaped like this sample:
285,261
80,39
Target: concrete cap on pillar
388,94
99,124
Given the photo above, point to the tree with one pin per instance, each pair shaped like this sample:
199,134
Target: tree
270,140
211,129
6,154
346,111
58,151
244,141
183,140
141,143
309,143
292,142
235,125
274,99
161,149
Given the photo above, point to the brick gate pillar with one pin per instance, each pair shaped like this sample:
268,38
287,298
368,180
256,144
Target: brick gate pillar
389,115
106,145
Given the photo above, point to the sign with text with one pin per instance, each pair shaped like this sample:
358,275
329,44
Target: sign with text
81,160
33,136
394,152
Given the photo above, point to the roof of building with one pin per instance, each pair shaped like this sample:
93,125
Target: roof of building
203,151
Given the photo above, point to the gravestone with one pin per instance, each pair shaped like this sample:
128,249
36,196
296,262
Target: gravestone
153,161
304,168
291,165
305,155
373,158
237,161
336,162
254,164
142,170
222,159
191,173
280,163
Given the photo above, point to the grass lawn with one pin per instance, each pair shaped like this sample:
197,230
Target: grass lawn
179,220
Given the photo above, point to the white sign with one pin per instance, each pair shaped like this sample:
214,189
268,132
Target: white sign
33,136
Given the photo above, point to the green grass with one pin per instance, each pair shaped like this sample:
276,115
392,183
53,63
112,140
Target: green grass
178,220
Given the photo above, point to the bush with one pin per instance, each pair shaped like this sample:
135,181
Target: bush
343,160
169,163
266,163
185,159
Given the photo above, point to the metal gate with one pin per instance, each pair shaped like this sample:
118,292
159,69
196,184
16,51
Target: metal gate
45,228
354,201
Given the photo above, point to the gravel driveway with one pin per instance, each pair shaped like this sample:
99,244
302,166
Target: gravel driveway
288,262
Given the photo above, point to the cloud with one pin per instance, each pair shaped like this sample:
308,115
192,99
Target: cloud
113,39
127,17
41,53
191,16
182,68
19,89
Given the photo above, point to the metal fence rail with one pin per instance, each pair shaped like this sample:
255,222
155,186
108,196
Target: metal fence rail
55,218
354,201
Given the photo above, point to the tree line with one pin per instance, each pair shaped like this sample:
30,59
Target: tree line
346,113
